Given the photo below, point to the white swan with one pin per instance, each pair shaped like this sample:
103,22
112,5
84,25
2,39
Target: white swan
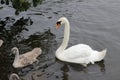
1,42
26,58
81,53
14,76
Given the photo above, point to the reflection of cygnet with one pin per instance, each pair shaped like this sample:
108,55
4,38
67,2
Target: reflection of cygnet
26,58
1,42
14,77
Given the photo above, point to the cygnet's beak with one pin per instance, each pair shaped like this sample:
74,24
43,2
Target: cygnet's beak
10,53
58,25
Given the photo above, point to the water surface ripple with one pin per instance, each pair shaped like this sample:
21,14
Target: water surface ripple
93,22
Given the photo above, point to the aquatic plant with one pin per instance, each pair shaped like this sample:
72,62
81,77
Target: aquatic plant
21,5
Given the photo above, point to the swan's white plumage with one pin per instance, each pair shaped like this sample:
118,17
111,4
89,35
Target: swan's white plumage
80,53
77,50
26,58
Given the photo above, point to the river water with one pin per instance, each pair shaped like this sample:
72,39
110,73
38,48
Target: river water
93,22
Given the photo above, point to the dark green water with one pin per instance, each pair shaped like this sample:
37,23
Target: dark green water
31,23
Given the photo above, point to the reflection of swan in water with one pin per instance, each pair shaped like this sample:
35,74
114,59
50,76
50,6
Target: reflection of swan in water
101,65
26,58
1,42
80,53
65,69
78,67
14,76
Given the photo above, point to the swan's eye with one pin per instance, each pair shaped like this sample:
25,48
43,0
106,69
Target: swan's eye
58,24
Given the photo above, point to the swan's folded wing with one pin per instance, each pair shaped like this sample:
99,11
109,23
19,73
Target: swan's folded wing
77,51
75,54
23,60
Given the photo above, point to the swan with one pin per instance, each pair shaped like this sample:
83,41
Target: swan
14,76
81,53
1,42
26,58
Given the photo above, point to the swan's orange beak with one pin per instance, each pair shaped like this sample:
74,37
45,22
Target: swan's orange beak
58,25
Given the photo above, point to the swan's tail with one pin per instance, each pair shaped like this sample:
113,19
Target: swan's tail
102,54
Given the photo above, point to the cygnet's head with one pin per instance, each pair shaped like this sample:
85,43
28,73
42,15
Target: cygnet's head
14,50
1,42
37,50
14,76
61,21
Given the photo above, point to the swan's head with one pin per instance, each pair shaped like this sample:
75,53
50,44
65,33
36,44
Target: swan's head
61,21
14,77
1,42
14,50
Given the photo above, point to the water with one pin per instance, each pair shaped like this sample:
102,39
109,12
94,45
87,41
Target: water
93,22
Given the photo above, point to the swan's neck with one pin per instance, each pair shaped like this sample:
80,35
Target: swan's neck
16,57
14,77
65,39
